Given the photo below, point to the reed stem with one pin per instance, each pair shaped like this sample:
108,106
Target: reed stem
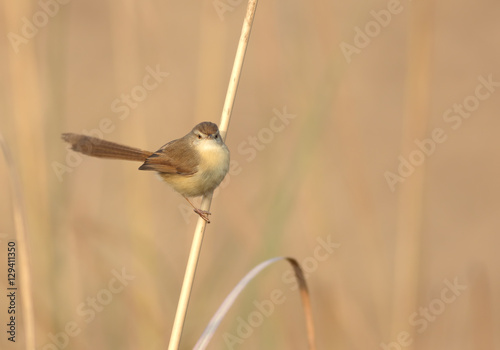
199,232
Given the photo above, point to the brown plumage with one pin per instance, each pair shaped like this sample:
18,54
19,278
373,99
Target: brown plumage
171,159
193,165
95,147
208,128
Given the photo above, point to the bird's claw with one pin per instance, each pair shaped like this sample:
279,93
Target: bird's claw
203,214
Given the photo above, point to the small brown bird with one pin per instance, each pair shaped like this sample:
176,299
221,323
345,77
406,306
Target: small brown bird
193,165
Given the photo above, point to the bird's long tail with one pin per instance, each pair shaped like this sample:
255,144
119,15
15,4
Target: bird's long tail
95,147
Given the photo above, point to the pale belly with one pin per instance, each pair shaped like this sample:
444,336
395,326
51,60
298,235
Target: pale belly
211,171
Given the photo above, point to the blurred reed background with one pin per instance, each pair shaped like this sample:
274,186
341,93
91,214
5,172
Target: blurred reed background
316,175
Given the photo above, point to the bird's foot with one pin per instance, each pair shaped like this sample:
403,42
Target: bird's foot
203,214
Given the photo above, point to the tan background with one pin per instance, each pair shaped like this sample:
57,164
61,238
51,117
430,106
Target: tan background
321,177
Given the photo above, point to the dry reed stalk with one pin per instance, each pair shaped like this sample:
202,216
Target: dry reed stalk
24,273
27,120
194,254
408,235
209,332
127,67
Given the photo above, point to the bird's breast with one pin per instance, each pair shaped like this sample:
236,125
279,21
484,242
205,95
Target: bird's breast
213,156
212,167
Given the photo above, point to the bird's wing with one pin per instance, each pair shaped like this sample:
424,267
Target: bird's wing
173,158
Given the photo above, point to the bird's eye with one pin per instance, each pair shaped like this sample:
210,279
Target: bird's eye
216,136
199,136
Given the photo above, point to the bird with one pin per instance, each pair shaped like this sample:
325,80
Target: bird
193,165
